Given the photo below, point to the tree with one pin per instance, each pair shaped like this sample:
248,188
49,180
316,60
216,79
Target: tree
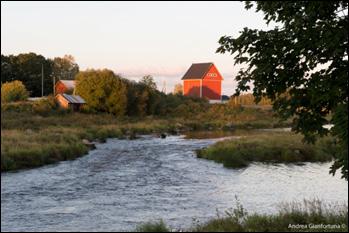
27,67
131,97
148,80
6,69
137,98
152,95
142,104
103,91
29,70
65,68
301,65
178,89
13,91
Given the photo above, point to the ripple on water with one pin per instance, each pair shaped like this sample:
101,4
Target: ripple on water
123,183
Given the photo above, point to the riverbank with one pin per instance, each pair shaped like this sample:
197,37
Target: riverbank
124,183
35,137
293,217
270,147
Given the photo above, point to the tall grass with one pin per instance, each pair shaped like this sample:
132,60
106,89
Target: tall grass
159,226
306,216
310,215
276,147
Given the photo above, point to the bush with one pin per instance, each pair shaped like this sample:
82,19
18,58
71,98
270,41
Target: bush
44,106
13,91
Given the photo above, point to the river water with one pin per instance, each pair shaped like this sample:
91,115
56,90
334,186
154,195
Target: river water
126,182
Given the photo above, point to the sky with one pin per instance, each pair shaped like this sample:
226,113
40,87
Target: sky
133,39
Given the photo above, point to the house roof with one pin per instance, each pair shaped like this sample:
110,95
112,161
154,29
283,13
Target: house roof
197,71
74,99
70,84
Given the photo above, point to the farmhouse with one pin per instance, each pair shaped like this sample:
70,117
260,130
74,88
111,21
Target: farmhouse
73,102
65,86
203,80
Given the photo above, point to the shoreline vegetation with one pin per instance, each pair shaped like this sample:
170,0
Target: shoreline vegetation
268,147
303,216
38,133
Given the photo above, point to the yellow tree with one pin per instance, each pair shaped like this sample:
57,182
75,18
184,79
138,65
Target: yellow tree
178,89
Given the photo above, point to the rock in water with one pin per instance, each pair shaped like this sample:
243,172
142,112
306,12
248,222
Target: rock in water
132,135
88,144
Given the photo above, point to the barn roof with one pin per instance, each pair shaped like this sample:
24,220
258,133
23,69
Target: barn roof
197,71
70,84
74,99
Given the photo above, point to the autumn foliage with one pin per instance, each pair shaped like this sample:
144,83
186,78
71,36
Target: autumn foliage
13,91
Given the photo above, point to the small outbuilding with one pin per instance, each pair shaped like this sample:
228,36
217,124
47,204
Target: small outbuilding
203,80
73,102
64,86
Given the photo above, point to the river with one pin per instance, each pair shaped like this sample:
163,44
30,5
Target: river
123,183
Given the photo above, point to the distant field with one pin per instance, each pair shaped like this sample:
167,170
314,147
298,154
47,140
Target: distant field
264,107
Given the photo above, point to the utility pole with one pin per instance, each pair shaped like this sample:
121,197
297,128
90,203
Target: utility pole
164,87
54,84
42,80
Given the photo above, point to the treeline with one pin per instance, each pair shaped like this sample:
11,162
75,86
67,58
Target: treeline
105,91
249,99
29,68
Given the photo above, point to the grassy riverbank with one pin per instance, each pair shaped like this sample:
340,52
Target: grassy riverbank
32,136
273,147
293,217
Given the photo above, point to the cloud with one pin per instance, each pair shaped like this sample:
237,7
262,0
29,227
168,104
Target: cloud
154,71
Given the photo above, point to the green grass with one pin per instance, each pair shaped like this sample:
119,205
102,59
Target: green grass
159,226
290,218
271,147
32,138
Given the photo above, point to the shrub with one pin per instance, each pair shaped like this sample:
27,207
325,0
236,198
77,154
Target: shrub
44,106
13,91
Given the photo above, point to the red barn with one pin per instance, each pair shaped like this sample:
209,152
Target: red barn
65,86
203,80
